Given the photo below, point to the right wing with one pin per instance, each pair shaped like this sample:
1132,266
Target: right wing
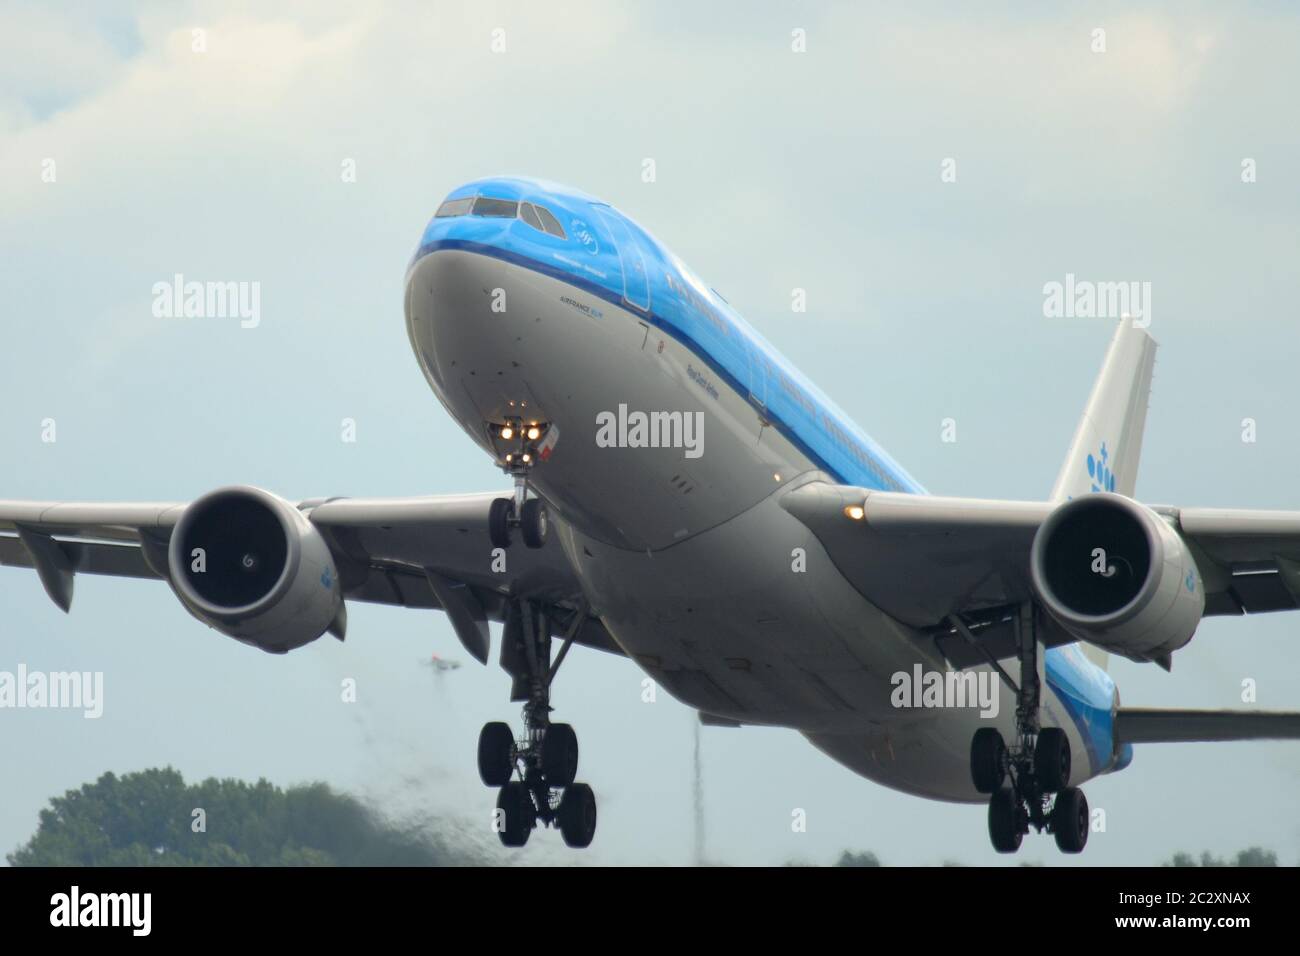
425,552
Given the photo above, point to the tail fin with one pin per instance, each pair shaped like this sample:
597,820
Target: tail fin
1107,444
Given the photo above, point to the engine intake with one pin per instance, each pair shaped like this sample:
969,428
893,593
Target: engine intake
1116,574
250,565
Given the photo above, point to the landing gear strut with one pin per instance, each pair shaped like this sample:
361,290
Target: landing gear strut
536,774
1022,778
529,443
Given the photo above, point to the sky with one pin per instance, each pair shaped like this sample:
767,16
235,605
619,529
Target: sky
214,140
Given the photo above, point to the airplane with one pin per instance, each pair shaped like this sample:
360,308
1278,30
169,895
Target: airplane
441,664
683,497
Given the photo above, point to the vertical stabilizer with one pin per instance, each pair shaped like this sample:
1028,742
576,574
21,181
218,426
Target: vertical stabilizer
1108,442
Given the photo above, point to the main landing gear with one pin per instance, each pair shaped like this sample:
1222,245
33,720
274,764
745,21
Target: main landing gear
1022,779
529,443
535,774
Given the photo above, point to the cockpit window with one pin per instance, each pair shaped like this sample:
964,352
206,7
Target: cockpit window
539,217
496,208
550,223
529,215
454,207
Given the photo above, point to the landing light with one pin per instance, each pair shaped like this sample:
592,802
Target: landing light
534,433
507,432
856,512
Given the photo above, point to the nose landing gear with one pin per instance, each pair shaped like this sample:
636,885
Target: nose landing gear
1022,778
529,444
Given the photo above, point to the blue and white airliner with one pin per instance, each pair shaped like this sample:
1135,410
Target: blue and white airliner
683,497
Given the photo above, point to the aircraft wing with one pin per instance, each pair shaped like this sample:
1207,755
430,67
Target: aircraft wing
423,552
1151,726
922,558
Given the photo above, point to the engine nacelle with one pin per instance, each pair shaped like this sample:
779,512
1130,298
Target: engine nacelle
251,565
1115,574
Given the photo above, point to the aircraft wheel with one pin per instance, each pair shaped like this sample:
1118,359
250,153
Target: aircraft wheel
988,759
533,522
500,514
578,815
559,755
1052,760
519,816
496,754
1070,820
1004,821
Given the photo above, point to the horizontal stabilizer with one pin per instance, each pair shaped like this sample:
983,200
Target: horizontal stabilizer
1135,726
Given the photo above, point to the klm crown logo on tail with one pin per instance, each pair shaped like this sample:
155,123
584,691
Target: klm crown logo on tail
1100,471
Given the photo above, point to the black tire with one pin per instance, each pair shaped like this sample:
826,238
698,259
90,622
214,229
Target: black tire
559,755
1070,822
988,760
516,804
500,514
496,754
533,522
1052,760
1004,821
578,815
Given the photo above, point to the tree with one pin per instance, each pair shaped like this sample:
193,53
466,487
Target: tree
1251,856
864,858
149,819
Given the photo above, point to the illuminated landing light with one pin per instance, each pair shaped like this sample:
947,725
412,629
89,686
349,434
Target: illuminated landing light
534,433
507,433
856,512
776,477
527,459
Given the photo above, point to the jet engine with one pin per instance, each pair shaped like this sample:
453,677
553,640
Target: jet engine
1114,573
250,564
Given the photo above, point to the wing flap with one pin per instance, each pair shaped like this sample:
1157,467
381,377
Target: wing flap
115,559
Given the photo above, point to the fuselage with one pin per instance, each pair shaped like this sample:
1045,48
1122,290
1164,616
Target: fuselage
679,429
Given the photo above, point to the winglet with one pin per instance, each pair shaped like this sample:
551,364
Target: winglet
1107,444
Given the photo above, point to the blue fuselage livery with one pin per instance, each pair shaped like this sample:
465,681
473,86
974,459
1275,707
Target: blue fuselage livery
613,271
637,272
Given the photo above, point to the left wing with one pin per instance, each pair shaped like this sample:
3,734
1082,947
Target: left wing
921,558
929,560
